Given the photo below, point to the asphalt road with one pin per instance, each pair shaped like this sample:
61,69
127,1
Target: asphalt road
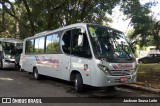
21,84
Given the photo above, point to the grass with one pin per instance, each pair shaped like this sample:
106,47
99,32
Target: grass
149,74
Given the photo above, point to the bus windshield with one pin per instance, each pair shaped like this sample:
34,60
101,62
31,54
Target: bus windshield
10,49
110,44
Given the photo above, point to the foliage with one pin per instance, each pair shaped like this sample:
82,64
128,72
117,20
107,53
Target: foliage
36,16
156,33
7,27
24,18
144,25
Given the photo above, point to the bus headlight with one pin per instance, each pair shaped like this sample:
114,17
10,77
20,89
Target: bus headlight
103,68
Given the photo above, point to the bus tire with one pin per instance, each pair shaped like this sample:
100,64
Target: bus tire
36,74
78,83
20,68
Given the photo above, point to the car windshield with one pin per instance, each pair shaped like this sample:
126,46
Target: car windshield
110,44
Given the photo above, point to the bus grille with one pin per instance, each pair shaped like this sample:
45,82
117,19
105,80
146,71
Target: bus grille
120,72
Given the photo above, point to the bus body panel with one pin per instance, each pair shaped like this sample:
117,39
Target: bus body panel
29,63
54,65
8,64
64,67
58,66
83,65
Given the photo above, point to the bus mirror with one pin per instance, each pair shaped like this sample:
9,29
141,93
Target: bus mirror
80,40
83,30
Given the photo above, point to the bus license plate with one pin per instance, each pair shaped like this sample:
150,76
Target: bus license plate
124,79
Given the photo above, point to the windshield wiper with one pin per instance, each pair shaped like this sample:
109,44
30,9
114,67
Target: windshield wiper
126,52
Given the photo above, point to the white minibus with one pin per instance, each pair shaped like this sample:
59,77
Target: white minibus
87,54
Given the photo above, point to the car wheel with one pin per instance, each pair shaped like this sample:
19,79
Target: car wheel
78,83
36,74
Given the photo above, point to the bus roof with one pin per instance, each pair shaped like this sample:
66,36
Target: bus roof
66,27
62,28
11,40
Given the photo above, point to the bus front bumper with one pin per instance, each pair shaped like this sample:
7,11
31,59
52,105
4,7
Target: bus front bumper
119,80
114,80
8,64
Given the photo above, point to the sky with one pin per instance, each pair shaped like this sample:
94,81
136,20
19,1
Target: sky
123,25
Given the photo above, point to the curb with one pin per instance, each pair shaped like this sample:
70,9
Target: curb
135,86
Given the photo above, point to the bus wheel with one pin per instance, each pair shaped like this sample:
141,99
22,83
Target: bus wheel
36,74
20,68
78,83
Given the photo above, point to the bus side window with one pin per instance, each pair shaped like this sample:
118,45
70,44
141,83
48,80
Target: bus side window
80,50
66,39
29,46
52,43
39,45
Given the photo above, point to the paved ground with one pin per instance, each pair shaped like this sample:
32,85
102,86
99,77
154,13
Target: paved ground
21,84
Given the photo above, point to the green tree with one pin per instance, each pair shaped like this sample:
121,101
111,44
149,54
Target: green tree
156,33
144,25
27,17
35,16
